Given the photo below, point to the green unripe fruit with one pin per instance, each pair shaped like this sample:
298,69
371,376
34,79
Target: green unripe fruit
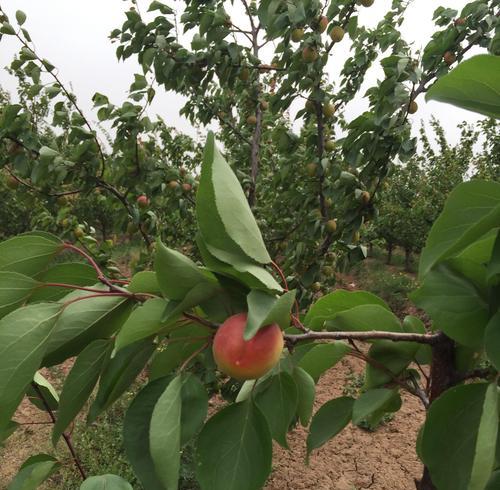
367,3
109,243
244,74
316,286
62,200
309,55
337,34
264,105
297,35
311,169
132,228
413,107
310,107
252,119
173,184
330,145
328,271
328,110
331,225
78,232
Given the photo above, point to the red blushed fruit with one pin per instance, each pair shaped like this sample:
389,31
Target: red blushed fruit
142,201
246,359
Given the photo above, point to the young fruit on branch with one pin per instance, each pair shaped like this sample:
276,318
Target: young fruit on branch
328,110
143,201
244,74
365,197
460,21
78,232
449,58
264,105
173,184
186,187
12,182
246,359
132,228
310,107
337,34
297,35
311,169
330,145
331,225
316,286
309,55
322,24
367,3
252,119
413,107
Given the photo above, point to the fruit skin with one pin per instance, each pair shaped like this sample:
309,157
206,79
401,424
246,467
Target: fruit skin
186,187
328,110
12,182
460,21
413,107
311,169
323,24
264,105
252,119
310,107
449,58
337,34
309,55
143,201
173,184
244,74
62,200
316,286
367,3
78,232
246,359
330,145
132,228
331,225
297,35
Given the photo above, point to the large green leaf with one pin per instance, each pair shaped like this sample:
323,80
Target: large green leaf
194,399
264,309
373,404
23,340
15,289
176,273
328,421
119,373
473,85
84,321
48,396
234,449
165,434
28,254
330,305
471,210
105,482
277,398
364,318
224,216
459,438
33,472
492,340
143,322
79,384
144,282
493,272
306,390
454,304
322,357
75,273
7,431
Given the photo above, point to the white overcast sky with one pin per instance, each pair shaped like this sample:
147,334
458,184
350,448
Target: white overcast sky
73,35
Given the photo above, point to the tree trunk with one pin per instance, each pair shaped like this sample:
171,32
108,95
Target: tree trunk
407,260
443,376
370,249
390,246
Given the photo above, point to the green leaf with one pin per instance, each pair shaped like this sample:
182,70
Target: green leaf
277,399
471,210
177,274
224,216
329,421
33,472
494,481
143,322
23,340
178,349
49,394
264,309
454,304
322,357
105,482
165,435
7,431
194,407
234,449
473,85
373,404
75,273
83,322
306,391
329,306
492,340
6,28
364,318
28,254
79,384
119,373
144,282
459,438
493,271
20,17
15,289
